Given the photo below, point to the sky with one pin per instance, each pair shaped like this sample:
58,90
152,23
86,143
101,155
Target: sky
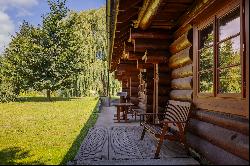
13,12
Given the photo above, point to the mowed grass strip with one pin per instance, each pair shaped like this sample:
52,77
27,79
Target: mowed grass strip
43,132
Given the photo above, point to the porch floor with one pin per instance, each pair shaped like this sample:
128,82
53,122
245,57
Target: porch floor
109,143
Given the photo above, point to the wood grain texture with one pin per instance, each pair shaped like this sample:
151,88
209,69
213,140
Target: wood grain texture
182,95
181,72
181,58
182,83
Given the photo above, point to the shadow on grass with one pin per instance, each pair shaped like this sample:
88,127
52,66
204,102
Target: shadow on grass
42,99
79,139
9,156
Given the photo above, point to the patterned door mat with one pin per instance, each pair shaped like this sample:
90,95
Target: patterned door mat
122,143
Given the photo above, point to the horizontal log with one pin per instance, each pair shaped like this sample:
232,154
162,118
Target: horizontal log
135,83
162,100
182,42
156,59
213,153
184,71
230,141
149,14
145,66
163,53
182,95
127,67
144,44
149,34
128,47
182,83
134,89
161,91
163,82
153,56
231,122
230,105
135,55
181,58
182,30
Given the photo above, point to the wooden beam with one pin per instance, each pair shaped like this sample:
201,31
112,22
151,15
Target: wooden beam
213,153
156,56
145,66
181,58
163,91
182,95
144,44
182,83
151,34
182,42
126,5
127,15
182,71
194,11
149,14
231,122
127,67
221,137
135,55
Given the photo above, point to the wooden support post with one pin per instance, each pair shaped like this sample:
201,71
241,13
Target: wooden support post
129,87
156,91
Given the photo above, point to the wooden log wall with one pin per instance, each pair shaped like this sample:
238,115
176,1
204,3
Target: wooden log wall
181,64
220,138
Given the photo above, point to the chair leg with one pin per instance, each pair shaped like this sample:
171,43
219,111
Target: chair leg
158,149
143,133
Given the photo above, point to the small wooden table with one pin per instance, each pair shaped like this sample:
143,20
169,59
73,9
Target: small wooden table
120,106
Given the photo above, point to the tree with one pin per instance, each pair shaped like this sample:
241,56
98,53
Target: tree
59,59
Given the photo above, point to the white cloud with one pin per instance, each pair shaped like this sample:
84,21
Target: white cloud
7,28
17,3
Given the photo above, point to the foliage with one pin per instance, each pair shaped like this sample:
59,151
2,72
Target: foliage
66,55
35,131
229,68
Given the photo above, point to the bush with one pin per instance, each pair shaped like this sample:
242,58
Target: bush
7,93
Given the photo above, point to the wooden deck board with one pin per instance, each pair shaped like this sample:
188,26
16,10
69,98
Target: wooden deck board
122,143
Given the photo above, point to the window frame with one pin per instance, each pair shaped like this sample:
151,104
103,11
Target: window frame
214,21
222,103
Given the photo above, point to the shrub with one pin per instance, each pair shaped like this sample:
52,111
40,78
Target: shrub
7,93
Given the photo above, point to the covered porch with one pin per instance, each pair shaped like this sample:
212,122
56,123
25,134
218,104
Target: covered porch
176,49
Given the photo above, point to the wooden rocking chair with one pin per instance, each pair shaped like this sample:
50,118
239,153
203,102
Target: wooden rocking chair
172,125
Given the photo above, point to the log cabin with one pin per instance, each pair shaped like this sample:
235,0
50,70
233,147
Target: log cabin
187,50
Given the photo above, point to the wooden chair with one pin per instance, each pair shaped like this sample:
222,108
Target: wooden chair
172,125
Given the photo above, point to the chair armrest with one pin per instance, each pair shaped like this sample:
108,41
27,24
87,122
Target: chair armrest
178,123
166,122
143,115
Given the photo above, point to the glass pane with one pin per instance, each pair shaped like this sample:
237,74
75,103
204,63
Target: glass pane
229,52
230,80
206,36
206,82
206,58
229,24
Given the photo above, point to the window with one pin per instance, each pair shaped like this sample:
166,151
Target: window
220,56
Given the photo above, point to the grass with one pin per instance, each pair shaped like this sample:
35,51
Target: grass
34,131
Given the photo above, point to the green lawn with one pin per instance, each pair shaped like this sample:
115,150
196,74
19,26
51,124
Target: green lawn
34,131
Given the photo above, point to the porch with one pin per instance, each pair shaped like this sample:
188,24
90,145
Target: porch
109,143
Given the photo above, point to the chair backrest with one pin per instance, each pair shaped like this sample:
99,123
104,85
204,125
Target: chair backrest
177,111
